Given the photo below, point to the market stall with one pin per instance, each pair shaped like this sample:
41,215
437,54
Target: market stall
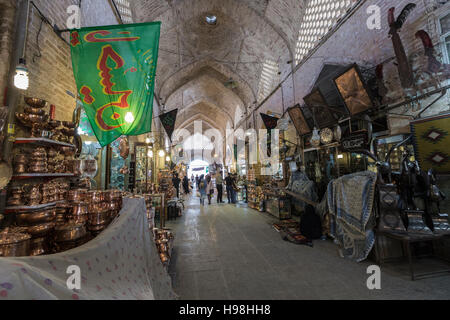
121,263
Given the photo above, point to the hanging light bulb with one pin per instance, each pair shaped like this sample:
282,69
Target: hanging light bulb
147,140
167,158
150,153
129,117
21,77
161,153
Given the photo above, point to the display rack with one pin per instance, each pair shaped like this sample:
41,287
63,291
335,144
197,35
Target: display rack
23,176
29,208
44,142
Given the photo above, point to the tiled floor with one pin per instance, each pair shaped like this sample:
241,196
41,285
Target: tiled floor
232,252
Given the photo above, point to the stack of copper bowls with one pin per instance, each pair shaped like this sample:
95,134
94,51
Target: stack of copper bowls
54,161
114,200
13,244
69,235
49,192
61,213
163,241
150,212
78,207
99,211
32,194
39,224
38,161
20,163
16,197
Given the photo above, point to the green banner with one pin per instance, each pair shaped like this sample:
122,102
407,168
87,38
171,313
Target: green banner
114,69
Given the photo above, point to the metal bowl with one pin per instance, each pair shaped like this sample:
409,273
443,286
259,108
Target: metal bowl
14,244
69,232
68,124
38,246
77,195
41,230
36,217
96,197
35,102
32,110
99,218
79,209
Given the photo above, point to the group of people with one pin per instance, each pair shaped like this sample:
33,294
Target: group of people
205,187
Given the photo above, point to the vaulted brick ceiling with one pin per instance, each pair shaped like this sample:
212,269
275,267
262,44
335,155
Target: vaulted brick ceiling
197,60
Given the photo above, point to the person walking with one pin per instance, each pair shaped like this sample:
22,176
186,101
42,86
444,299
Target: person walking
234,189
202,189
229,187
244,179
209,188
219,186
186,185
197,180
176,183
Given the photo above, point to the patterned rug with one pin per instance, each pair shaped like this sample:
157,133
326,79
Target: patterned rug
431,142
350,202
290,231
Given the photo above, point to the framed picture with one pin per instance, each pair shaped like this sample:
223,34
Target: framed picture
316,102
298,119
353,91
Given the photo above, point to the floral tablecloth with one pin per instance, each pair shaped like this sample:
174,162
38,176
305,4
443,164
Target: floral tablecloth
121,263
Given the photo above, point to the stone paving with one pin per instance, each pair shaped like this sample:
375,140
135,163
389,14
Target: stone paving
233,252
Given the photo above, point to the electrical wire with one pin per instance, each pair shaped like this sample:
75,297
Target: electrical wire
38,55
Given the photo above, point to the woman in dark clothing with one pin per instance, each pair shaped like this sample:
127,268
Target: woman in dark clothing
176,183
186,185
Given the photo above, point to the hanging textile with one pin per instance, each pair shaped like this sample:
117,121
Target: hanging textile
114,69
168,121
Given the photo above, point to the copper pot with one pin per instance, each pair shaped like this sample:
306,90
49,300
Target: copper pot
38,246
34,118
109,195
68,124
20,158
75,166
36,217
12,202
95,196
96,227
78,209
68,151
97,207
41,230
164,257
33,199
32,110
77,195
83,219
20,168
35,102
14,244
69,232
98,218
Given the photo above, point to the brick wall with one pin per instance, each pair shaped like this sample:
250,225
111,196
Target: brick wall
48,60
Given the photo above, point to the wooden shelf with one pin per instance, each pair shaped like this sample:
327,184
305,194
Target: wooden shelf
24,176
45,142
29,208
